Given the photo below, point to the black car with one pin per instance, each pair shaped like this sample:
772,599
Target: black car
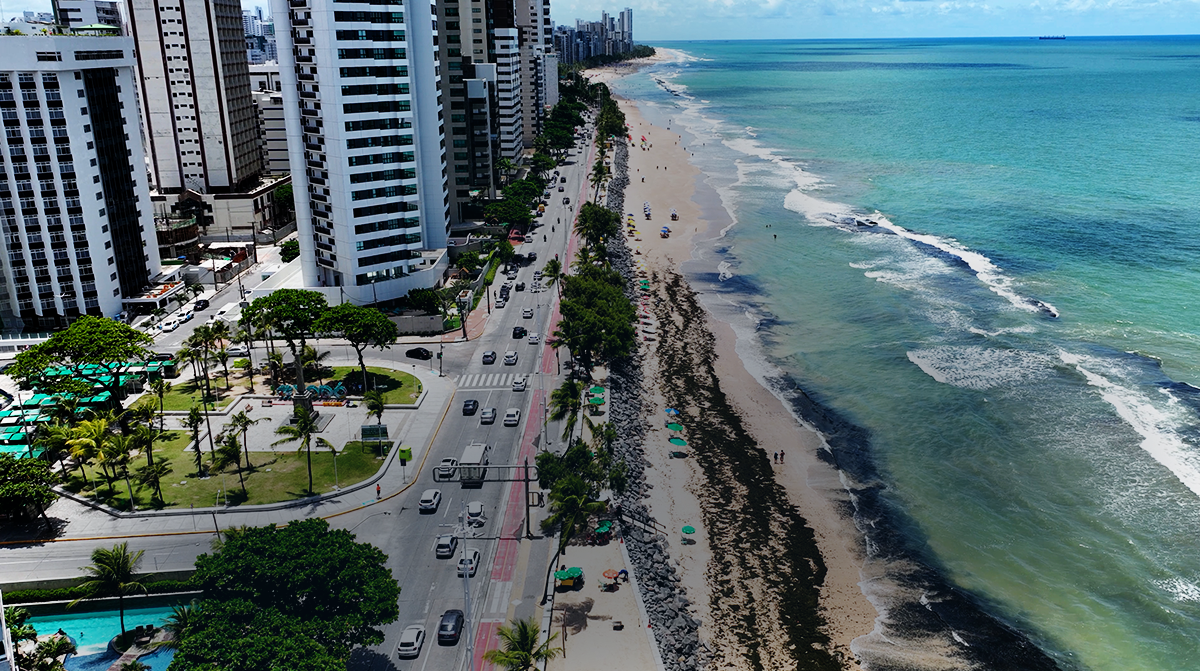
520,286
470,406
419,353
519,332
532,256
201,304
450,628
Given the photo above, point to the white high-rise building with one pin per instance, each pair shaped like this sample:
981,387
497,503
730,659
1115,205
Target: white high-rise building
78,228
366,142
76,13
537,39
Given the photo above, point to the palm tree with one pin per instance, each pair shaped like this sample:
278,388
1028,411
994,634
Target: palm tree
193,422
312,361
552,273
112,573
565,403
221,356
161,388
302,430
521,651
246,337
598,175
134,665
242,422
88,443
375,405
54,438
116,451
505,166
570,505
151,475
49,653
177,624
230,454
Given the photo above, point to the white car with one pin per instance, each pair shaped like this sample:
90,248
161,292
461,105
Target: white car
238,350
469,564
411,640
475,514
519,384
430,500
487,416
500,302
447,468
512,417
527,313
534,338
510,358
169,325
446,545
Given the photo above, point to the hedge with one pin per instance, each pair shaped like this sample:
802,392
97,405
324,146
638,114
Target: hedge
72,593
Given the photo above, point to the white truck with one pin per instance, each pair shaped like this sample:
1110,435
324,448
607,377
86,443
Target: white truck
472,467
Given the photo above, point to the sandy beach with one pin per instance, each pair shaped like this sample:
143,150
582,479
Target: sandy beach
745,567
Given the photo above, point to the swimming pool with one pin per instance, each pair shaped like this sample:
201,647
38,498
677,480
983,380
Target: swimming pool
92,632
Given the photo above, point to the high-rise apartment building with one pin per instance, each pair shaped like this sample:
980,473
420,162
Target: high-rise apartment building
367,143
537,39
77,13
610,36
77,226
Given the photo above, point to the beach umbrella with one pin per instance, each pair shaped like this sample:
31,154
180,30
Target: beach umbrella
596,390
671,411
689,530
611,574
675,427
596,400
561,575
675,440
574,572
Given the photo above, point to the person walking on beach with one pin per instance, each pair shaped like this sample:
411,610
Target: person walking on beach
775,457
781,456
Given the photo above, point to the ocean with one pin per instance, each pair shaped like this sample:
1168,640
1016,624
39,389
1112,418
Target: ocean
977,260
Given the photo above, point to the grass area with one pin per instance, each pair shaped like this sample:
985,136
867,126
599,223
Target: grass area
397,387
274,477
182,394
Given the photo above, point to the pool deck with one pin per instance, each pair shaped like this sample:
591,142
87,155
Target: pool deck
136,651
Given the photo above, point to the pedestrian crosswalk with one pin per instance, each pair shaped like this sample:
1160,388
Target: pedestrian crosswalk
488,380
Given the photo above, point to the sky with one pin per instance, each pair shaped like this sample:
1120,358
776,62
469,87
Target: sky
665,20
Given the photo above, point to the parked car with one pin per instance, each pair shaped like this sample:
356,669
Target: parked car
475,514
487,416
501,302
419,353
527,313
411,640
446,546
510,358
447,468
201,304
489,357
169,325
512,417
519,332
450,627
469,564
238,350
520,383
470,406
430,500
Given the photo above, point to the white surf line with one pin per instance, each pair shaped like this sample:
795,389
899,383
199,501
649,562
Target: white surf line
1161,444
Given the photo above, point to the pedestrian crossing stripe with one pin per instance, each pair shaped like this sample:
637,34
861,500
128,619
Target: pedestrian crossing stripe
488,380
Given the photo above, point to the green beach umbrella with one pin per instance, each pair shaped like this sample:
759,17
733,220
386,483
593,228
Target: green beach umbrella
678,441
675,427
596,400
689,530
574,572
561,575
596,390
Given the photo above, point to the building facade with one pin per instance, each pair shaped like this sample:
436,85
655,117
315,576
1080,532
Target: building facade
363,111
537,39
77,13
75,212
610,36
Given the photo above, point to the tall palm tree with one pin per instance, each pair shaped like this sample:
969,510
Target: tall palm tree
230,454
49,653
177,624
113,572
569,505
565,403
598,175
88,442
161,387
221,356
144,436
193,421
245,336
375,405
301,430
242,422
552,274
151,475
520,651
505,167
116,451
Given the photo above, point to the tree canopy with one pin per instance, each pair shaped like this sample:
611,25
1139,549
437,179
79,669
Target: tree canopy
293,315
89,341
363,327
26,482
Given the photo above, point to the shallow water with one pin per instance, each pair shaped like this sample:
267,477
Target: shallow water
1012,338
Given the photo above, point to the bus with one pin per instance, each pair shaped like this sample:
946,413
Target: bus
472,468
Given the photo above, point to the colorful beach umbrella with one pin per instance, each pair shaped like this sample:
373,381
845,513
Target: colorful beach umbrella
671,411
596,390
675,427
596,400
675,440
611,574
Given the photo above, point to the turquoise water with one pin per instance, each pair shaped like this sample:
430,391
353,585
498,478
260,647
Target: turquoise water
92,632
985,264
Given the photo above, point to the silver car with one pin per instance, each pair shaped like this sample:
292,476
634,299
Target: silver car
411,640
430,500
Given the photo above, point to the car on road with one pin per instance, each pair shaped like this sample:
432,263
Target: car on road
446,546
520,286
487,416
519,332
411,640
168,326
470,406
527,313
534,339
501,302
520,383
512,417
562,188
186,317
475,514
510,358
532,256
566,201
419,353
238,350
450,627
430,500
469,564
489,357
564,179
512,274
201,305
447,468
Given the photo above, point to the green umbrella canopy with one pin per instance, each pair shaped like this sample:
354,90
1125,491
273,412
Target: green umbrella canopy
596,400
678,441
603,527
689,530
561,575
596,390
675,427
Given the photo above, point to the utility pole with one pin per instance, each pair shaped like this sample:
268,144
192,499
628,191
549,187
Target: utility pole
528,528
441,357
467,629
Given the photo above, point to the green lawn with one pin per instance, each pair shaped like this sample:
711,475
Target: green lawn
274,477
182,394
397,387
